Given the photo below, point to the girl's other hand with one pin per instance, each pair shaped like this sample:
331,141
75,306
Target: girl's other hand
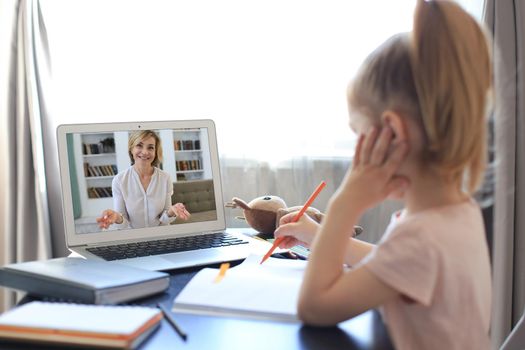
301,232
108,218
180,211
372,177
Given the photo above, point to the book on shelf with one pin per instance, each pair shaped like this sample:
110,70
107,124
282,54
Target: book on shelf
102,191
188,145
99,192
251,289
106,145
184,165
107,191
94,171
93,148
113,326
87,170
83,280
92,193
101,170
109,170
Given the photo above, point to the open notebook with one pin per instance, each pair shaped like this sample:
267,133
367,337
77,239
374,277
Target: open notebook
267,291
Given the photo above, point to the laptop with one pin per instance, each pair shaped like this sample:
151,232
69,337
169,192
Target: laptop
97,175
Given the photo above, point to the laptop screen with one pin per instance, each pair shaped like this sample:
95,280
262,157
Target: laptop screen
125,181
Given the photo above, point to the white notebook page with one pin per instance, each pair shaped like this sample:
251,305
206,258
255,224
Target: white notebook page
269,290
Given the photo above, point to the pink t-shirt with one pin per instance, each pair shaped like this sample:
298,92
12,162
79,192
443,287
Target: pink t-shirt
439,262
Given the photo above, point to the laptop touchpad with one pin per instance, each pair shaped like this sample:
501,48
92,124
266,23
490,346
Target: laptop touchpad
194,255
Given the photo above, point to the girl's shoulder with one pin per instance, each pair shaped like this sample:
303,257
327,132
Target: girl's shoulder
450,221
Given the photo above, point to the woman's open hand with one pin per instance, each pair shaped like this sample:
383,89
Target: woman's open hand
180,211
108,218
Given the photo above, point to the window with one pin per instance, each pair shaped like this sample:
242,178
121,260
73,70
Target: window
272,74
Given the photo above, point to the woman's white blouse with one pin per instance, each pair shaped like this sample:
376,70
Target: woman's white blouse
138,207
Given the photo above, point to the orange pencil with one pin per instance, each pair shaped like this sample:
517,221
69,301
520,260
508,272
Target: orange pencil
295,219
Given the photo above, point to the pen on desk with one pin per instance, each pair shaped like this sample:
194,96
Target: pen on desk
171,321
295,219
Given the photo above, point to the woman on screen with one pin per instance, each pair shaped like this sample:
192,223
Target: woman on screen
142,193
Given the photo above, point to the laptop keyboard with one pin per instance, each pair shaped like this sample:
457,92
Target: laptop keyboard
165,246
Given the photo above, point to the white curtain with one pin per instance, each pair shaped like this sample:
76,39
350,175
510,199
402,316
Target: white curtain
24,218
294,180
506,19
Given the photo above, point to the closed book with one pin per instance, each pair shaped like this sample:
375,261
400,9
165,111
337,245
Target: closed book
83,280
105,326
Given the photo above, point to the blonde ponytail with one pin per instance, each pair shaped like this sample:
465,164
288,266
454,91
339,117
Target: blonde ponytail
452,75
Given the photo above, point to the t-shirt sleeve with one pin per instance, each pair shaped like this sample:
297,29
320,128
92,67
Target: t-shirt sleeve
408,263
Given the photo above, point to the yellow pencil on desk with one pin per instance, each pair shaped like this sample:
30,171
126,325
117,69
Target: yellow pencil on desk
222,272
295,219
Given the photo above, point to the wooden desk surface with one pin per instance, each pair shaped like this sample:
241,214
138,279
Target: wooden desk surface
366,331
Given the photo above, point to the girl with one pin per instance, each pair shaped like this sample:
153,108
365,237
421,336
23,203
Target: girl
418,103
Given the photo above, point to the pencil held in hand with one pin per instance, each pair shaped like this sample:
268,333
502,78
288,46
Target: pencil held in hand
295,219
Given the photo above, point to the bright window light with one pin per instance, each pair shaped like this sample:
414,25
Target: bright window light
272,74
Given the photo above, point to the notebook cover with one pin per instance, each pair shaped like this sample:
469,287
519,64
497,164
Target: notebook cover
79,324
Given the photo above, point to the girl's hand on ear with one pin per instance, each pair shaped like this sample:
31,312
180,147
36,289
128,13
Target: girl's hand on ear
301,232
372,178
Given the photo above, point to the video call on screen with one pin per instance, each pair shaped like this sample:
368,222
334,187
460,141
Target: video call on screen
96,158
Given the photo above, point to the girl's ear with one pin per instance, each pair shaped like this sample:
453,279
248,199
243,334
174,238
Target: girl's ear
397,123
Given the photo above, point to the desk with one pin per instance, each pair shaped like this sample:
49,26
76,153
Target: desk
366,331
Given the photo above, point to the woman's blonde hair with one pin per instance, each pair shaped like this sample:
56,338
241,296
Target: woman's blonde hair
440,75
136,137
